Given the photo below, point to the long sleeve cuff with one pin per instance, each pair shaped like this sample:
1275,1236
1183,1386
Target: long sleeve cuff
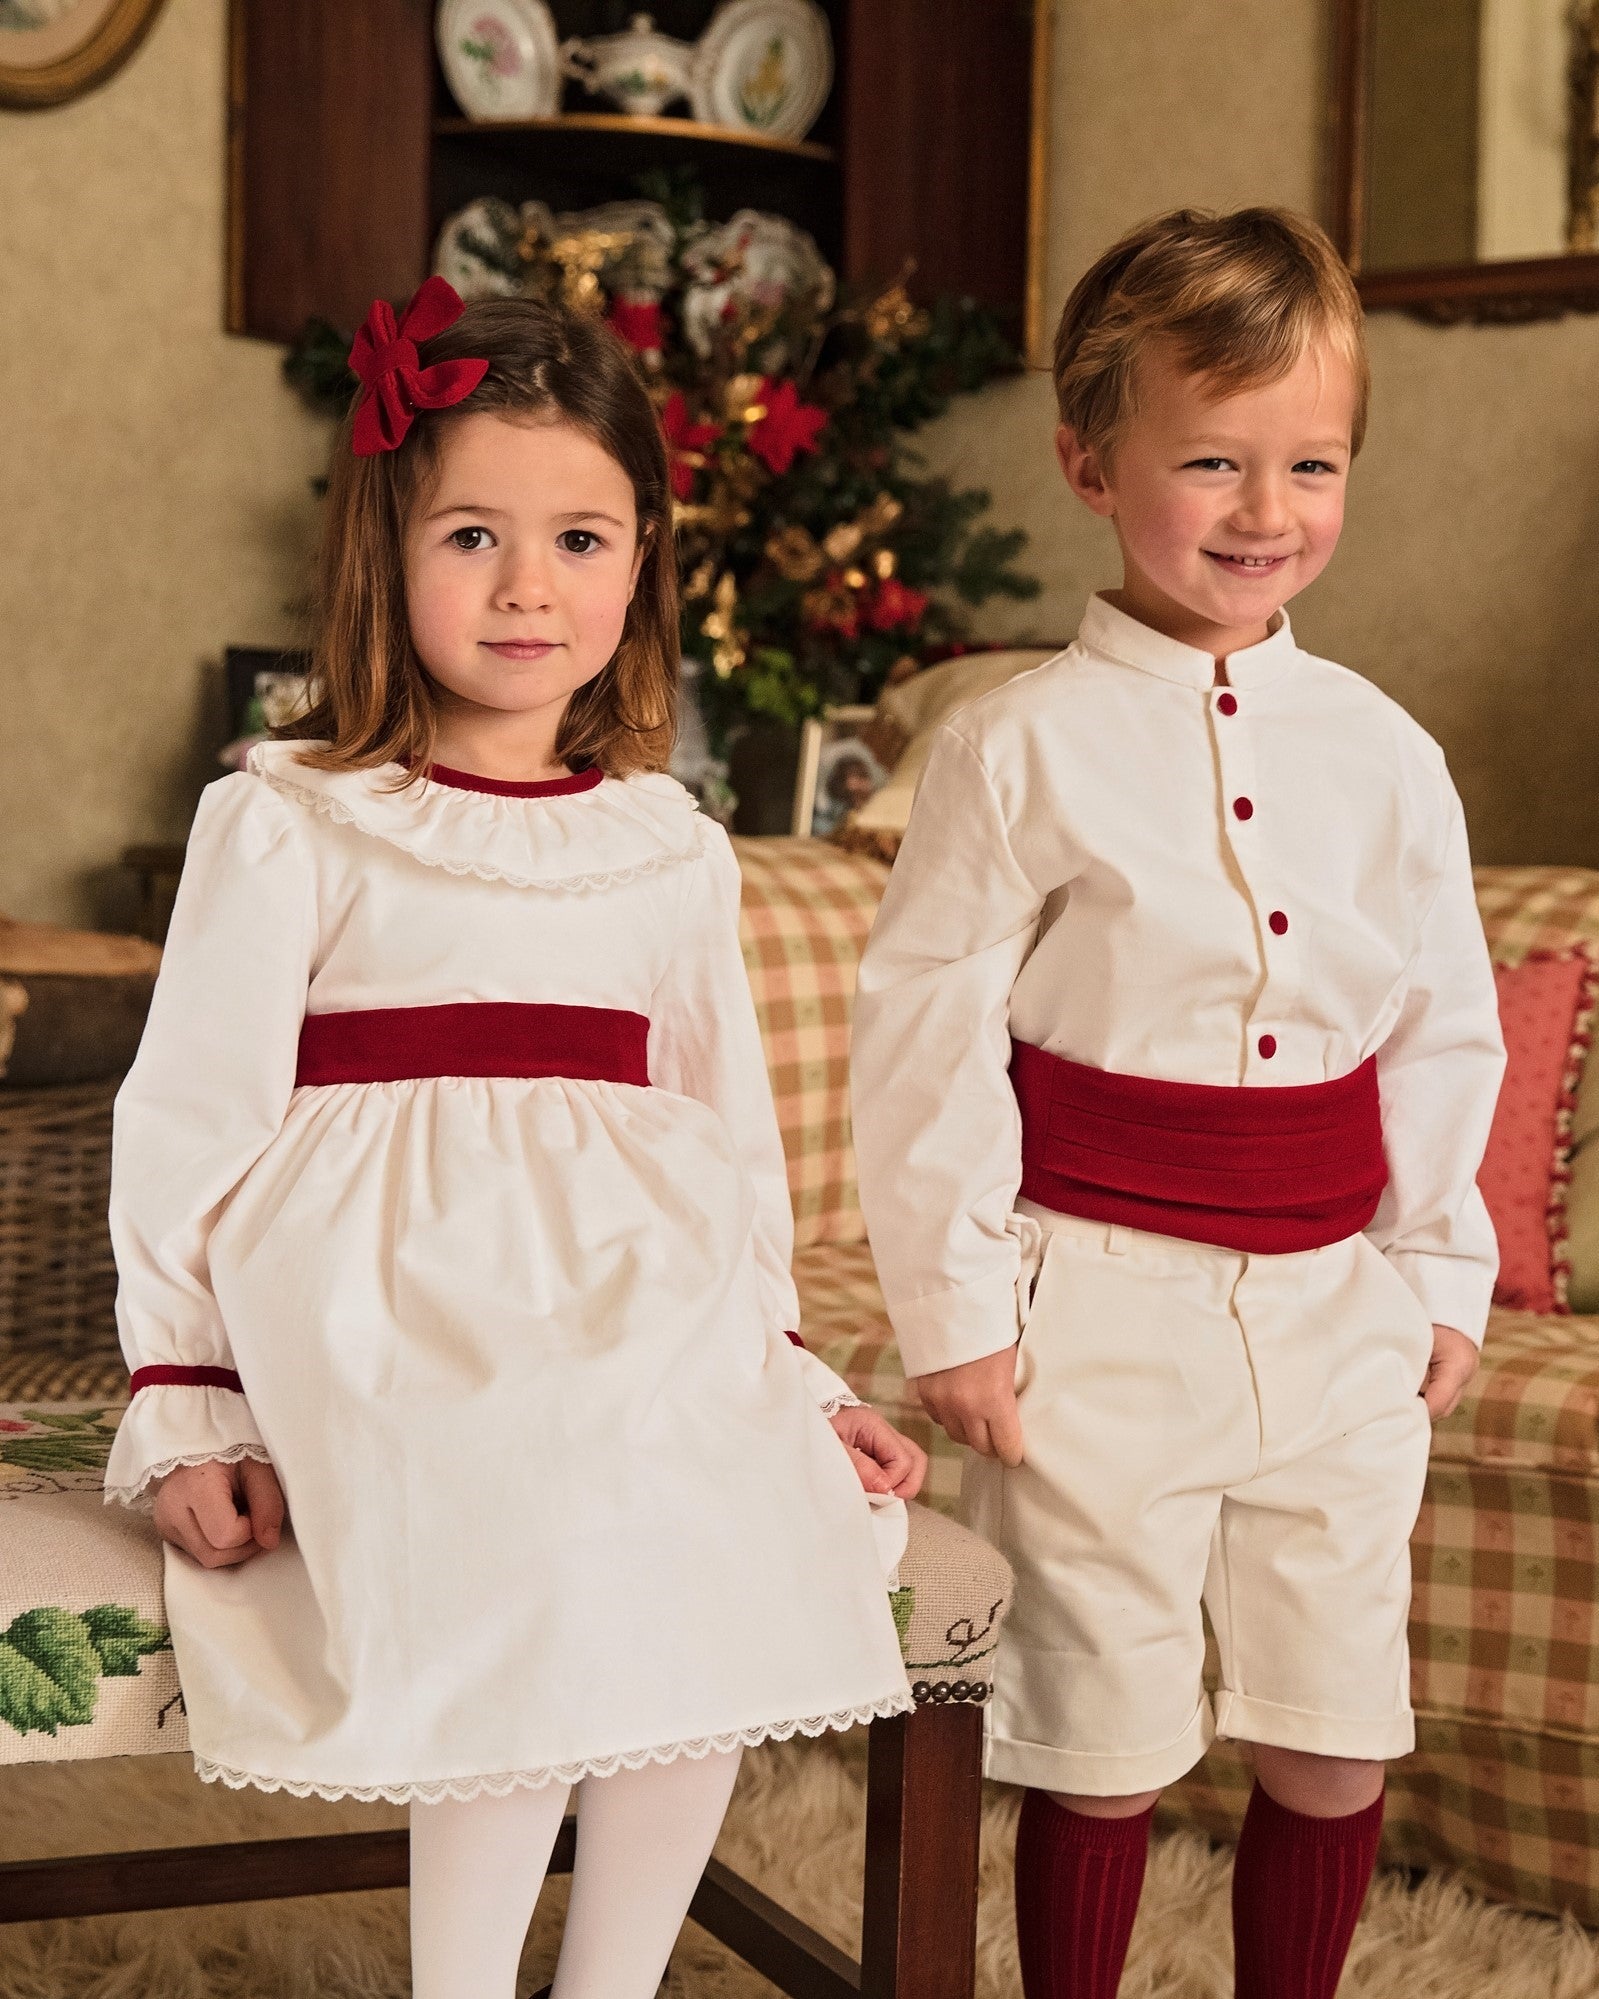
168,1425
949,1328
829,1391
1456,1290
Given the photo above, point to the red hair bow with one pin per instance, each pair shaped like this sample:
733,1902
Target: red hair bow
384,357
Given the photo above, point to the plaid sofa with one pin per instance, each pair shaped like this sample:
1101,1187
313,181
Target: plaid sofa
1504,1784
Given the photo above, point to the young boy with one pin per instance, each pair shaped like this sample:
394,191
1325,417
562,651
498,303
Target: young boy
1175,1055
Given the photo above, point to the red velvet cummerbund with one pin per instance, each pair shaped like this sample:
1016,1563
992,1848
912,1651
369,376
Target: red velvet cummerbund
393,1044
1269,1171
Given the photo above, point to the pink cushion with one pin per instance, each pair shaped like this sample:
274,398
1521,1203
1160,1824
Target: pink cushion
1546,1006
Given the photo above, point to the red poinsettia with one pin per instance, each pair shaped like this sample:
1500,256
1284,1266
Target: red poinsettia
639,323
686,442
894,604
789,426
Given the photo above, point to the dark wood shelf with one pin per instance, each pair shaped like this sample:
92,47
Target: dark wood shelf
617,126
346,152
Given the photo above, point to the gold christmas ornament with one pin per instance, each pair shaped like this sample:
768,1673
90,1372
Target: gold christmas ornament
891,317
842,543
794,555
582,256
738,399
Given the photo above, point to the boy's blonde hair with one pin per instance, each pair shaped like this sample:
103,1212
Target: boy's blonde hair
1240,297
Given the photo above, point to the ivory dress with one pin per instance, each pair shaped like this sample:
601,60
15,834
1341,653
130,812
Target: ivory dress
562,1494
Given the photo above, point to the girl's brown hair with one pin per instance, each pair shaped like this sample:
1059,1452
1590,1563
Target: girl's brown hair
374,702
1240,297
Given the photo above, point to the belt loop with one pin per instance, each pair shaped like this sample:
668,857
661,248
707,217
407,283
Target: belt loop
1115,1240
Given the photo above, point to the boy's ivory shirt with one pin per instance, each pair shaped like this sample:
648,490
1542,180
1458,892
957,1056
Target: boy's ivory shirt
1120,862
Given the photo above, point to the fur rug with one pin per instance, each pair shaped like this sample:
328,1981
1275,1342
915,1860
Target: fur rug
795,1828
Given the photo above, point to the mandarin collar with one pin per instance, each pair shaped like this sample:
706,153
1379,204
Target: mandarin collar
1115,636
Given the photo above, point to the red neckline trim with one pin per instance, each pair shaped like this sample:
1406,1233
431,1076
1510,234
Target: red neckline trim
549,787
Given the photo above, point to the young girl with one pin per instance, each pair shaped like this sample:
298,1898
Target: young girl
450,1208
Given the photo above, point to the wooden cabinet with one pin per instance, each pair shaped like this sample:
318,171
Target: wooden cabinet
346,151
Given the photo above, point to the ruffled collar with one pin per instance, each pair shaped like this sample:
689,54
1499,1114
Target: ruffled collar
572,833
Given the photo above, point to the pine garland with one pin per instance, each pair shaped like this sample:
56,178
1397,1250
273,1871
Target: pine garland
820,559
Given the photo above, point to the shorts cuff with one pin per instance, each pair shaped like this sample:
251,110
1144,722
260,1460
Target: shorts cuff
1375,1739
1041,1767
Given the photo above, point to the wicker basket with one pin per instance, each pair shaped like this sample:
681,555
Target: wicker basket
57,1279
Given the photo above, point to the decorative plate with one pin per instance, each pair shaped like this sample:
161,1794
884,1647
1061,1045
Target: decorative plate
764,66
501,57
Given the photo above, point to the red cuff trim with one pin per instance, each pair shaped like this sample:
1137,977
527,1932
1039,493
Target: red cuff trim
795,1340
185,1377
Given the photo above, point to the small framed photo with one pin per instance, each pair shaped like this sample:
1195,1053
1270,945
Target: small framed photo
266,689
837,772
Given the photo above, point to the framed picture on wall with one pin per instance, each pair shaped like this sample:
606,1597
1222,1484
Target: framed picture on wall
54,50
837,772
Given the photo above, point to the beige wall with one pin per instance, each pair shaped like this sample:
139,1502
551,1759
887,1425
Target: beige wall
157,504
155,496
1468,581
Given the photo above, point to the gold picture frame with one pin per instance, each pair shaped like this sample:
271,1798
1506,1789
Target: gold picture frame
50,55
836,733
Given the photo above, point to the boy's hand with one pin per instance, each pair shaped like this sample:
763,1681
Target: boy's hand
975,1404
884,1460
221,1514
1454,1362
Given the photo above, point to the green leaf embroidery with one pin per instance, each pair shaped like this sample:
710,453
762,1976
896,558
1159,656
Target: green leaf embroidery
52,1662
902,1602
74,1440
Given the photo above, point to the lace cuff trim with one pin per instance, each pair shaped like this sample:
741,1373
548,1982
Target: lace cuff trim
464,1788
136,1494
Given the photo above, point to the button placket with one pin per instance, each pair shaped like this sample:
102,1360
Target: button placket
1247,833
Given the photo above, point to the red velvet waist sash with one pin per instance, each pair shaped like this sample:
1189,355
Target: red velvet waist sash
392,1044
1269,1171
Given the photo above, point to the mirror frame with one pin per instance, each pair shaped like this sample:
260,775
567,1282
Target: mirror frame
1506,289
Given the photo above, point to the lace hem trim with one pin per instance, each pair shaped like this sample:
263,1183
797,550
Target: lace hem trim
332,808
461,1789
134,1495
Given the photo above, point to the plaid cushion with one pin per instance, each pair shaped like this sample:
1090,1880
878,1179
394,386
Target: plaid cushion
807,910
1537,909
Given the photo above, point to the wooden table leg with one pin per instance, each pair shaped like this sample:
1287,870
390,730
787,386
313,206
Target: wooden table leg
924,1807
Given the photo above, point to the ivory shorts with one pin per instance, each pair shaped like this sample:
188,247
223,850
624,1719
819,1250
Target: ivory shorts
1208,1427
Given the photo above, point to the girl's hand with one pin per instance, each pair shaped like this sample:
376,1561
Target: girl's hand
221,1514
975,1404
1454,1362
884,1461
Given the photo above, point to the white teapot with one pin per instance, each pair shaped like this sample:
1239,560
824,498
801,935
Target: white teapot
642,71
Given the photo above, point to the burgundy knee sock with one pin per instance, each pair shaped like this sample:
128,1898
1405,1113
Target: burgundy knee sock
1077,1885
1298,1886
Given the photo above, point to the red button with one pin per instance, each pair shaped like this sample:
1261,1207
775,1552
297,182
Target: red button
1278,922
1227,703
1268,1045
1244,808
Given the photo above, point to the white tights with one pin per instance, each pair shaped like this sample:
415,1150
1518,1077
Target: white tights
643,1838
